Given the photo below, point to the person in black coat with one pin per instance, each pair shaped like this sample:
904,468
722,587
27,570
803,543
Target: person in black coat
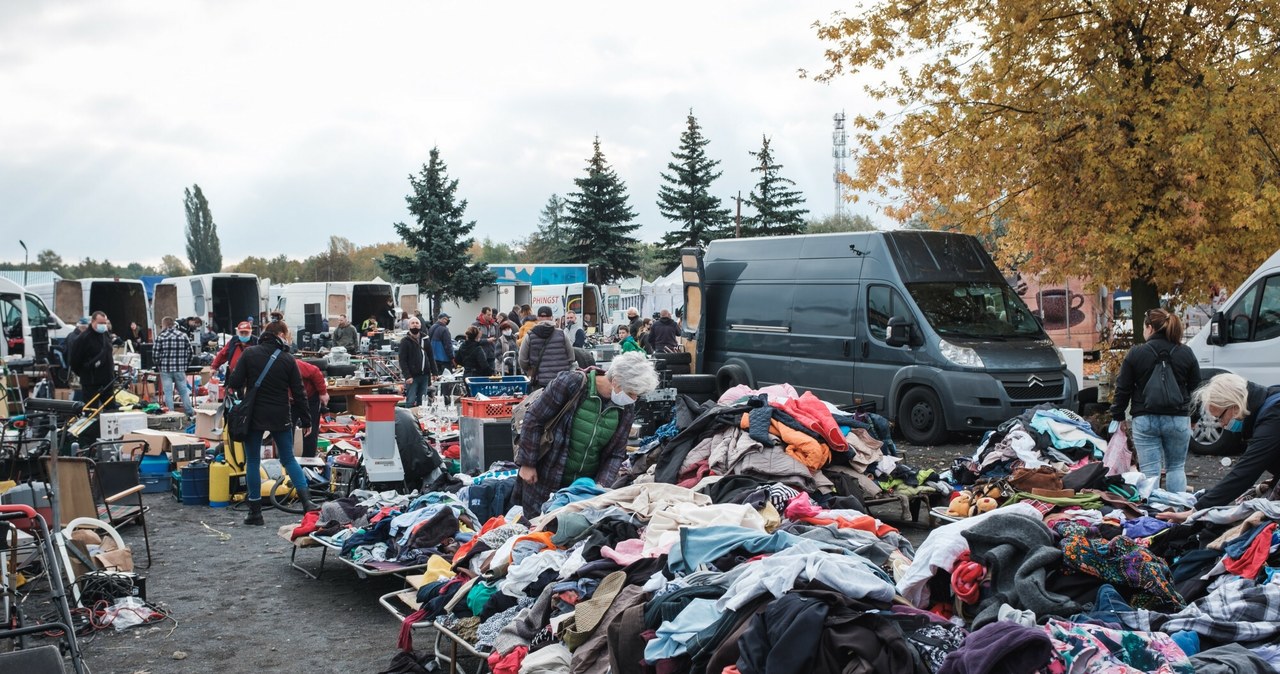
92,358
472,355
279,404
415,364
1161,434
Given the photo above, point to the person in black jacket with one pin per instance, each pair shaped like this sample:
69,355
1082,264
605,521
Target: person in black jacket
665,334
92,358
279,405
1161,435
1253,411
415,365
472,356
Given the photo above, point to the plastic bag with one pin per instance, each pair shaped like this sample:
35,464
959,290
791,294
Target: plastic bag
1118,459
128,612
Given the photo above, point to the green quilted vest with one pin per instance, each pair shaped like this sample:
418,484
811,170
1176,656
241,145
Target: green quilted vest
591,431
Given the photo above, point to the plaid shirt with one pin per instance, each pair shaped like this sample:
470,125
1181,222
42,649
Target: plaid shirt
172,351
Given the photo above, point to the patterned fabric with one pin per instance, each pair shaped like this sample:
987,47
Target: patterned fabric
934,641
1238,610
1120,561
1092,649
172,351
780,495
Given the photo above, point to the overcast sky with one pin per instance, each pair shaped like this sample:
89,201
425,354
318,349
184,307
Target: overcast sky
304,119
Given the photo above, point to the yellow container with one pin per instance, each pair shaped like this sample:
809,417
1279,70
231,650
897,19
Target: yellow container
219,485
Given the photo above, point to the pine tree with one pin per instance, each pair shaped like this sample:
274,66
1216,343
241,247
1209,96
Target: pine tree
203,249
548,245
600,230
777,208
686,199
441,263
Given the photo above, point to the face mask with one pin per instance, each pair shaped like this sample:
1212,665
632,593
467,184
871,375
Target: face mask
100,328
620,398
506,333
243,338
570,323
1235,426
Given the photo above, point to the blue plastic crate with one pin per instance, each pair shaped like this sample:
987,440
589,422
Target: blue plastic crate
153,483
495,387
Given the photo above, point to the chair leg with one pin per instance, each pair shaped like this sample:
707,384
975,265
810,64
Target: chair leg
142,518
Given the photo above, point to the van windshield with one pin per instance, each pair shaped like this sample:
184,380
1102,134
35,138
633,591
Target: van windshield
979,310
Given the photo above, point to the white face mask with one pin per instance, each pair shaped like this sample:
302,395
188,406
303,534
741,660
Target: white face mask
100,328
620,398
506,333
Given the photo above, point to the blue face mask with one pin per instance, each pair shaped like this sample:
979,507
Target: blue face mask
1235,426
243,338
100,328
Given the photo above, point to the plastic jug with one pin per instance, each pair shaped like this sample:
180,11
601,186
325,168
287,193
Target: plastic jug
219,485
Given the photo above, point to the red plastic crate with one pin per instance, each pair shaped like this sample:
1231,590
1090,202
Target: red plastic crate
492,408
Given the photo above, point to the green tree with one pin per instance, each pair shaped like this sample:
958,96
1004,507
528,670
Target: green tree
334,264
203,249
1132,142
652,261
172,265
549,244
600,227
777,207
440,262
839,222
47,260
686,198
488,251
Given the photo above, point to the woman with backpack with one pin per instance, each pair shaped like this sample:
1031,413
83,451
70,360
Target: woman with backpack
1155,385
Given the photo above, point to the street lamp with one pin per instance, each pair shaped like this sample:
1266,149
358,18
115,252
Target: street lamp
25,256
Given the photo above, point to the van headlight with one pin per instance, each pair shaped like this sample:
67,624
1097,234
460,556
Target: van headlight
960,355
1062,360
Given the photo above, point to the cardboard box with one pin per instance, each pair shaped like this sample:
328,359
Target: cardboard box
115,425
205,375
169,421
186,453
158,442
209,422
63,393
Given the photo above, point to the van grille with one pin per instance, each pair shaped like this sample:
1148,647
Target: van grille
1037,386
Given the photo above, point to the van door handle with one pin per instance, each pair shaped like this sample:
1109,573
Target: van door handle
846,348
866,349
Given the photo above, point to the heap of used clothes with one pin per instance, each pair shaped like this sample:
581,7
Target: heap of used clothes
389,530
776,435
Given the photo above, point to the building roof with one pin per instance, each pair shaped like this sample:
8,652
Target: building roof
32,277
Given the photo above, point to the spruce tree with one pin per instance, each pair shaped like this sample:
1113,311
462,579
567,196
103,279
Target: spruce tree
600,230
686,197
441,263
777,208
548,244
203,249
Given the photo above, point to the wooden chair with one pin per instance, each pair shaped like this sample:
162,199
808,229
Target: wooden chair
108,492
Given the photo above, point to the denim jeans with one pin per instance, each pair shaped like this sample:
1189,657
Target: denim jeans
253,461
170,380
417,391
1161,440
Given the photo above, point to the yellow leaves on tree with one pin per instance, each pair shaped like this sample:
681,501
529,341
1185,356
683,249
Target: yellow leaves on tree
1120,140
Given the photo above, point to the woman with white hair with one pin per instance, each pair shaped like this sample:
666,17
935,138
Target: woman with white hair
1253,411
588,414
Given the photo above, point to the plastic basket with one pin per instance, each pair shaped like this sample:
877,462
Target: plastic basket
510,385
491,408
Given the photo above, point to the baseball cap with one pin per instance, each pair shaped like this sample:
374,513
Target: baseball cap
84,320
245,325
443,315
544,311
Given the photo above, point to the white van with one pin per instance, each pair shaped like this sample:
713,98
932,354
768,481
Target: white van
123,300
220,300
1243,339
307,305
21,312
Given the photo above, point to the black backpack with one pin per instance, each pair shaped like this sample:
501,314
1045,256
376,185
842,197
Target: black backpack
1162,390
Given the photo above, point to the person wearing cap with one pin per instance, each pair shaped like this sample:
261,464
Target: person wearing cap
345,335
546,351
230,353
441,343
172,354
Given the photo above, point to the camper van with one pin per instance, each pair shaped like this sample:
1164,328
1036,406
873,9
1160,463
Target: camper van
220,300
306,305
1244,339
26,320
921,326
123,300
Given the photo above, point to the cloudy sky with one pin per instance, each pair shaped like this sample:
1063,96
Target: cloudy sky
304,119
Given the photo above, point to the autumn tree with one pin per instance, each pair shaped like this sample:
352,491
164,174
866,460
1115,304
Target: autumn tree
685,196
601,222
172,265
776,204
334,263
1130,142
203,249
440,262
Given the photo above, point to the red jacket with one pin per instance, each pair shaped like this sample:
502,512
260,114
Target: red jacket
312,380
230,353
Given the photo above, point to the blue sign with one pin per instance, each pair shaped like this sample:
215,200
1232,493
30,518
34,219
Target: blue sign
540,274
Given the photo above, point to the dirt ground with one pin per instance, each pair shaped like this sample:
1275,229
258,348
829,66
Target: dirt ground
241,609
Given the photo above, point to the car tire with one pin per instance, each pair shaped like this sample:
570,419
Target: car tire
321,363
1210,439
690,384
921,418
676,368
675,358
730,376
341,370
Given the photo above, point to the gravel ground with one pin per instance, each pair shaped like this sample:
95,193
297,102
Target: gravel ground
241,609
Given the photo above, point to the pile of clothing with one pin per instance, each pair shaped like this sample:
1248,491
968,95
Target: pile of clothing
389,530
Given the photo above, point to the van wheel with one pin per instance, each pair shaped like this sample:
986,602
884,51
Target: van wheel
730,376
1210,439
920,417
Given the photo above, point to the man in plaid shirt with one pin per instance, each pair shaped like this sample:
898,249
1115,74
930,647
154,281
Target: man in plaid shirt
172,353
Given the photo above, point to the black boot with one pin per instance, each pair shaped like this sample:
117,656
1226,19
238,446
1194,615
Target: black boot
255,513
304,495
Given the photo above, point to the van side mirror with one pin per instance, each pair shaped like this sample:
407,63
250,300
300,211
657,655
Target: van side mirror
899,333
51,323
1218,330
